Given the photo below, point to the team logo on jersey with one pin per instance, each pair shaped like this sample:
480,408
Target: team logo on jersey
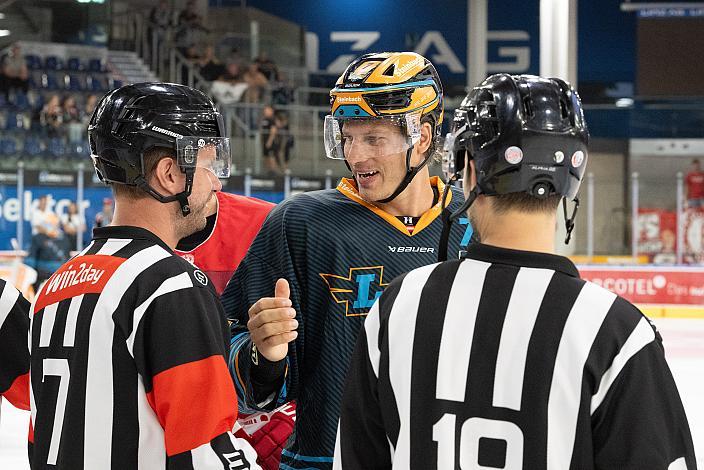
200,277
358,290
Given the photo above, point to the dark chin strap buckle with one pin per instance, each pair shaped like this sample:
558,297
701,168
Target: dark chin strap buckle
569,222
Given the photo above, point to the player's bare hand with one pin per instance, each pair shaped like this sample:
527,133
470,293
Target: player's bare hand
272,323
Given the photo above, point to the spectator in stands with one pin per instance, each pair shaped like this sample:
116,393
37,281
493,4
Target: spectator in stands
104,217
70,110
281,90
256,84
88,109
160,20
71,119
47,248
283,143
72,223
51,116
189,24
209,65
230,86
268,132
266,66
695,186
15,75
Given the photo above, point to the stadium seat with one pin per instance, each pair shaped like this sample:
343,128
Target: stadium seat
13,122
74,64
73,82
34,62
94,83
96,66
32,147
49,81
56,147
8,147
52,62
20,100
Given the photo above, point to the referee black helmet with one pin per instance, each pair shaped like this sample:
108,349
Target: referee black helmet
524,134
133,119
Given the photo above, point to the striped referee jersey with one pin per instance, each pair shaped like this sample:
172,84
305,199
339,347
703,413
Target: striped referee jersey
128,365
507,359
14,353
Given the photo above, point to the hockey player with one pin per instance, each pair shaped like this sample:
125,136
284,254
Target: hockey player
334,251
128,340
14,354
232,223
506,358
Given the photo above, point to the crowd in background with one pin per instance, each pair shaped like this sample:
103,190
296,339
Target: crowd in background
55,236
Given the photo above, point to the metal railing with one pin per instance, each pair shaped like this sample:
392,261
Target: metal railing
307,156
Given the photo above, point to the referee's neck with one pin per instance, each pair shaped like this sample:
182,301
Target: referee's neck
519,231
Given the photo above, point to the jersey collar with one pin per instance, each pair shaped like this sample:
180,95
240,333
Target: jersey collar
348,187
528,259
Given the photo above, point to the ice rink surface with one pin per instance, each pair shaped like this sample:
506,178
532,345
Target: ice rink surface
684,346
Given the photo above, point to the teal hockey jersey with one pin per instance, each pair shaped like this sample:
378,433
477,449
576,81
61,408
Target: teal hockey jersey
337,252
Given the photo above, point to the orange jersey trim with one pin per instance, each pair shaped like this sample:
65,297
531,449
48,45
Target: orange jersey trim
194,402
348,187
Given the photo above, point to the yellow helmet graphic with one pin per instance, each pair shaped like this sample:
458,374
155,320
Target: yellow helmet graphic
387,84
400,88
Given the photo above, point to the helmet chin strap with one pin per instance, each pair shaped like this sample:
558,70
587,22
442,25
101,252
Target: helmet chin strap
569,222
411,172
181,198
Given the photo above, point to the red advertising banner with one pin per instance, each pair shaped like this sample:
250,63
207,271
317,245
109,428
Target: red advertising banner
650,284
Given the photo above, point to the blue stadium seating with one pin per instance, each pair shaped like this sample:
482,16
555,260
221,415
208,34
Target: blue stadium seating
34,62
96,66
56,147
74,82
74,64
52,62
50,82
8,147
32,147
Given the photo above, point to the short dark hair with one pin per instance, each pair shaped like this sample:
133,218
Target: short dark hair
524,202
150,159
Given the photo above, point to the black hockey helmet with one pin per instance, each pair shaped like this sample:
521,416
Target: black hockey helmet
132,119
524,134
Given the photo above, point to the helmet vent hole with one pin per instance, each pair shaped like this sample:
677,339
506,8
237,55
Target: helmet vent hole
563,110
389,72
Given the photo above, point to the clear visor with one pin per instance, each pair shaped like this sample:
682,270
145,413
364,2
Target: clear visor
370,137
211,153
453,152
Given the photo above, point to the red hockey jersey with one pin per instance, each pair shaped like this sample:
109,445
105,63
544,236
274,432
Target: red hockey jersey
237,223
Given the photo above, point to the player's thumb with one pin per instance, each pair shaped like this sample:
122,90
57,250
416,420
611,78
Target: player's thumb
282,289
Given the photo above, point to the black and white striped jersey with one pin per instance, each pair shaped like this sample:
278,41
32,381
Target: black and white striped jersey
506,359
14,353
128,365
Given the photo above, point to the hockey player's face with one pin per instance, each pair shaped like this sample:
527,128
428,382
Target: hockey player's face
375,152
